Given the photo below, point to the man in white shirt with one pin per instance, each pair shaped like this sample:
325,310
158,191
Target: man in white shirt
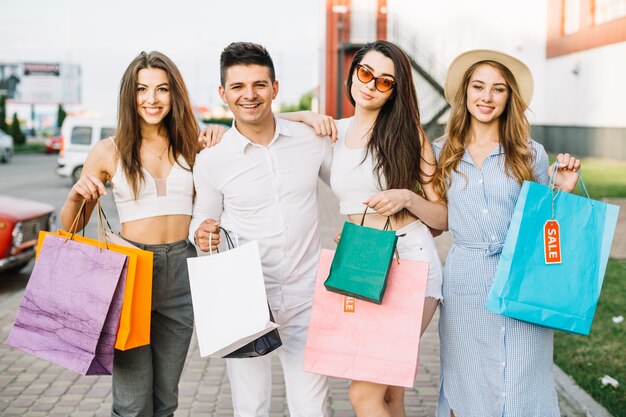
261,182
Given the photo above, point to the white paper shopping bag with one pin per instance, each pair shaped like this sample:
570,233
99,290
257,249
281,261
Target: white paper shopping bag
229,299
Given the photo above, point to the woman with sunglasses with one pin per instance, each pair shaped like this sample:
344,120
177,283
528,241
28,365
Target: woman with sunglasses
383,160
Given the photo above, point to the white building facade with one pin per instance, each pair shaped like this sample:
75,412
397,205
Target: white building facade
576,50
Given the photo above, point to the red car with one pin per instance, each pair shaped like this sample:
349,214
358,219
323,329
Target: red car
53,144
20,223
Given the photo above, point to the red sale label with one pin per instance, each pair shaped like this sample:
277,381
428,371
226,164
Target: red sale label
552,242
349,304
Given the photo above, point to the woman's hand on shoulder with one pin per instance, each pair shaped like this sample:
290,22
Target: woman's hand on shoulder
389,202
211,135
322,124
567,173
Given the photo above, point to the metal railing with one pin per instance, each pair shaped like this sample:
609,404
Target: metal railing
428,69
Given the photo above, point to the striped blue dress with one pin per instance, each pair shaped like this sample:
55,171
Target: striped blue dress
491,365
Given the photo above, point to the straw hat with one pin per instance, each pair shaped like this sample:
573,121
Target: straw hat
461,64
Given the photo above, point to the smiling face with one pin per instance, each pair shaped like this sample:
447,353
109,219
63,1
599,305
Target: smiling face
153,96
248,91
487,94
365,94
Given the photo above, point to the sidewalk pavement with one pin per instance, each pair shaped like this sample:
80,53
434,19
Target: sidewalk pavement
31,387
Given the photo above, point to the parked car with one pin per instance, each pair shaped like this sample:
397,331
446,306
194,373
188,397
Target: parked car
20,223
6,147
53,144
78,135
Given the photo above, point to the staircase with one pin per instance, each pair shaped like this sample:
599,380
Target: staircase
428,76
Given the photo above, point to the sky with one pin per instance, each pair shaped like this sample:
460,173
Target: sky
103,37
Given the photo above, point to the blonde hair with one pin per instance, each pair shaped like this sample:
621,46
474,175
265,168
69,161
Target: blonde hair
514,132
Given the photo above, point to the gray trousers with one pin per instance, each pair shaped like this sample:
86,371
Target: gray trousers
145,379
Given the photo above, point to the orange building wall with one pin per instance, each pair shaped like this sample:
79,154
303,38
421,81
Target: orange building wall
336,23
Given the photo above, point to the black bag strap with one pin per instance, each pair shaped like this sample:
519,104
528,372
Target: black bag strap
387,223
387,227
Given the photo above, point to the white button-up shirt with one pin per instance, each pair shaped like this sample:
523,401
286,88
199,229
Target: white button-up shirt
269,194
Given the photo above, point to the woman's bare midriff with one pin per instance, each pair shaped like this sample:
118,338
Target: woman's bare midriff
377,221
157,230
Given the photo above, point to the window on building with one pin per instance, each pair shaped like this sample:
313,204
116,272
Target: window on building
608,10
578,25
571,16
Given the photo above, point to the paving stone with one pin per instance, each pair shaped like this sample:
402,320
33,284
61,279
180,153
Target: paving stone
62,410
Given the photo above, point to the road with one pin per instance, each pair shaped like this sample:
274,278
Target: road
33,176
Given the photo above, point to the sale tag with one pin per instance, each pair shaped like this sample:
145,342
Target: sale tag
552,242
349,304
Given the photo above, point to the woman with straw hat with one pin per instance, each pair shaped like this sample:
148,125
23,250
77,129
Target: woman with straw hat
491,365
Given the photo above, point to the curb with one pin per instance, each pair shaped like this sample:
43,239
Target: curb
576,398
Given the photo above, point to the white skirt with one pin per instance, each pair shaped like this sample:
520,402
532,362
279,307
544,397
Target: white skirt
415,242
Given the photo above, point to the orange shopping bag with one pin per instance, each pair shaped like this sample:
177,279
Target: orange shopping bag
134,327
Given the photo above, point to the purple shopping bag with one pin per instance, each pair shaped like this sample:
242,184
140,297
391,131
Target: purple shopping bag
71,307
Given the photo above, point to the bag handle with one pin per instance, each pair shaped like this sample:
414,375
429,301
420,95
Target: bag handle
552,183
554,191
82,213
387,223
387,227
229,240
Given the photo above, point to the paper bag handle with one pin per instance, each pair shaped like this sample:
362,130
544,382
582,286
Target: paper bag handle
387,227
101,230
229,240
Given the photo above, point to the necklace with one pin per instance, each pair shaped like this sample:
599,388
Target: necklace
156,154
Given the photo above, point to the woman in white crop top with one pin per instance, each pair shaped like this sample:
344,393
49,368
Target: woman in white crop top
148,165
383,160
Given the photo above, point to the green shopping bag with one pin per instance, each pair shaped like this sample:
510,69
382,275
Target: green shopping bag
362,261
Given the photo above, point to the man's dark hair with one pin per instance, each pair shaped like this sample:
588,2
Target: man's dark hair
245,53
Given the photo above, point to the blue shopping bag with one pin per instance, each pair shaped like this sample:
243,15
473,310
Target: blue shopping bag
533,283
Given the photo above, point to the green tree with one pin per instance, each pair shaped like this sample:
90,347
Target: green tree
305,103
61,115
18,136
3,114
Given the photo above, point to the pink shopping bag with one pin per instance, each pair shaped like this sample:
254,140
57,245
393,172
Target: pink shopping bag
359,340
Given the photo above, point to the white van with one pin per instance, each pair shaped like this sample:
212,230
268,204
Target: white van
79,134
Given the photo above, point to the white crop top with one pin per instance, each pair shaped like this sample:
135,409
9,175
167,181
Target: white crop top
157,196
352,179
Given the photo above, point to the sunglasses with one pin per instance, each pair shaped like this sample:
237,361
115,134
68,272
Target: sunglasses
382,84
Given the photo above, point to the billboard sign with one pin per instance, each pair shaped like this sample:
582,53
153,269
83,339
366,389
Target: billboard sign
41,82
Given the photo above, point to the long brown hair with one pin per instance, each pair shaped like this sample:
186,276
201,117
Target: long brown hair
397,135
182,127
514,132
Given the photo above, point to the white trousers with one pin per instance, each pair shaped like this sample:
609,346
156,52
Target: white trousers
251,379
